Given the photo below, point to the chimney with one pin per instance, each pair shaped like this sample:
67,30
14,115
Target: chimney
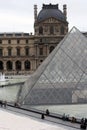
35,13
65,10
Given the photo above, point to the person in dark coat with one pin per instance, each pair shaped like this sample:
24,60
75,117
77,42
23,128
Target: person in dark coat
42,116
1,103
47,112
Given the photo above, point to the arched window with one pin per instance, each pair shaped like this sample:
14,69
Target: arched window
9,65
51,30
62,30
51,49
27,65
18,65
1,65
40,30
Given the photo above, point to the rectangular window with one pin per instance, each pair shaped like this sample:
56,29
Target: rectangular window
26,41
0,41
51,30
27,51
9,52
9,41
0,52
41,51
18,41
18,51
40,40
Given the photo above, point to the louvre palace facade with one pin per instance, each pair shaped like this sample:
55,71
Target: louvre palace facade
22,53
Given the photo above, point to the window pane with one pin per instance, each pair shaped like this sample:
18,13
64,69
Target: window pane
41,51
18,51
0,52
9,52
27,51
0,41
51,30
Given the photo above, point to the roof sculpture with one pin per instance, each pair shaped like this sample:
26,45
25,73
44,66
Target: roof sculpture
62,77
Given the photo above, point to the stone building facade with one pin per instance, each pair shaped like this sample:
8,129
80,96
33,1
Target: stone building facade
22,53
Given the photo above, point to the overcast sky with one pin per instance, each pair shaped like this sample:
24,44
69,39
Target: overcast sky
18,15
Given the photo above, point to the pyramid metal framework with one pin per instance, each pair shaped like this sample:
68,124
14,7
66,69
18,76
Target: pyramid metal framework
62,77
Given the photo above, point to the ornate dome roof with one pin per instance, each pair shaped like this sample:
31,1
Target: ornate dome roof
49,11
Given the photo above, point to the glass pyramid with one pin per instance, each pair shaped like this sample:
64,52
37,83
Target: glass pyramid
62,77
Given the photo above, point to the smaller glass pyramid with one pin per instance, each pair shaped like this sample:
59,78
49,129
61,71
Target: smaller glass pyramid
62,77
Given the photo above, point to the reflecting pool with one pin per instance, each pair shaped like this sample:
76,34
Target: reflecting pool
77,110
9,88
13,79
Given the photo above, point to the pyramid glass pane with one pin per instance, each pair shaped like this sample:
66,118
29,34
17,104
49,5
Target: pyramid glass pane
62,77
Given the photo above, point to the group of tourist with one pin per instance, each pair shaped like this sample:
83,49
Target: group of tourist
43,115
67,118
83,122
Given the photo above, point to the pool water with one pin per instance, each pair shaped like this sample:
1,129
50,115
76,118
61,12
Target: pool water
77,110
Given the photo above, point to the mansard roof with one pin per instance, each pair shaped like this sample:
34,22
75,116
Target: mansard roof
49,11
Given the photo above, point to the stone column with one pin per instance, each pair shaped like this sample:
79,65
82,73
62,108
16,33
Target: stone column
22,66
14,67
46,50
4,66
